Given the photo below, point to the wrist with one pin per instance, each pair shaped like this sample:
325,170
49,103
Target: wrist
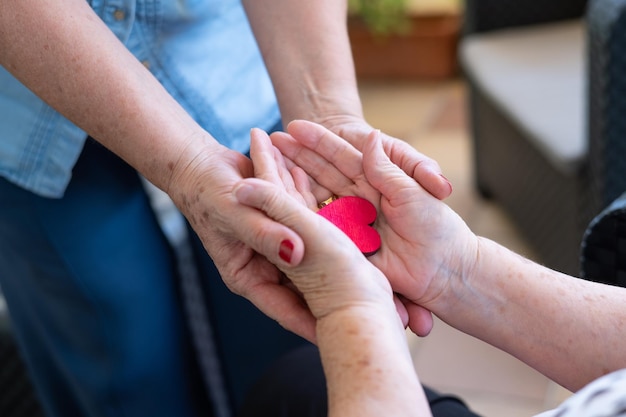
482,295
459,278
365,314
190,171
358,288
366,330
368,367
331,110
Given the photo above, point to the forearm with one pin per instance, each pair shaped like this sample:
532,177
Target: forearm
367,364
567,328
65,54
307,51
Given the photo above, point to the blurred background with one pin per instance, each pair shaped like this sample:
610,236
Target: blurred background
416,84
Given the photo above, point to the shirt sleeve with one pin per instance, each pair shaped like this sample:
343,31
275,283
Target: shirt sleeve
604,397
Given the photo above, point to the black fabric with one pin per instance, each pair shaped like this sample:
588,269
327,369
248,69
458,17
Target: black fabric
445,405
486,15
17,395
295,386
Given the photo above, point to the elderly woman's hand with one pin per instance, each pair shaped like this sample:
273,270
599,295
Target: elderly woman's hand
321,262
425,243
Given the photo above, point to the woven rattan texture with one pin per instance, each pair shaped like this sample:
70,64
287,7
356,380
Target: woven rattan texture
485,15
607,100
603,252
542,202
550,209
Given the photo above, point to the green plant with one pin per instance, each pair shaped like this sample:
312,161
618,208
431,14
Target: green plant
382,17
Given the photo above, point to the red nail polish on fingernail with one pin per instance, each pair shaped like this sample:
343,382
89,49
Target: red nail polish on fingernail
286,250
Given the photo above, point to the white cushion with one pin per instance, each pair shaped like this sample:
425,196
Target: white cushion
536,75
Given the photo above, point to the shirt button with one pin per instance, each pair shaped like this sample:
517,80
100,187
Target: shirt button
119,15
146,63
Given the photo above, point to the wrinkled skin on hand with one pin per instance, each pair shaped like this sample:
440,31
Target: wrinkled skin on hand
330,272
425,170
203,192
411,263
426,245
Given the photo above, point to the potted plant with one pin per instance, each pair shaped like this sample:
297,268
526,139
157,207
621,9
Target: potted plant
382,17
414,39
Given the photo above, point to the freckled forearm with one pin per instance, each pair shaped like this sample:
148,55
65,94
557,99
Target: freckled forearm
546,319
368,367
307,52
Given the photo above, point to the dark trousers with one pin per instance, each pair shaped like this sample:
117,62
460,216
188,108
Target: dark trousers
91,285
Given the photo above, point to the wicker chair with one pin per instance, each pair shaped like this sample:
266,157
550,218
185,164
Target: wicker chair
603,251
547,99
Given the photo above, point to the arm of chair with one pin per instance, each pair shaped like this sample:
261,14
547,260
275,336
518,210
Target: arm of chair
485,15
603,251
606,25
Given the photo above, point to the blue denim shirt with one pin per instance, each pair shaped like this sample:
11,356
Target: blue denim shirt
202,51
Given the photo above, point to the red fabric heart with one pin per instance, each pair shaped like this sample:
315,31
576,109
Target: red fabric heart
354,216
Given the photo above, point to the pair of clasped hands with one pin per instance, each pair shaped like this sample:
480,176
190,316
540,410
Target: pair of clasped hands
426,247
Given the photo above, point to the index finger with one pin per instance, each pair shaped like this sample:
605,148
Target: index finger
327,158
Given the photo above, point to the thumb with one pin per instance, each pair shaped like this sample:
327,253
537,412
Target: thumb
381,172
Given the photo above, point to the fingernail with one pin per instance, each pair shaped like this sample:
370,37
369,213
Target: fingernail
447,181
286,250
240,190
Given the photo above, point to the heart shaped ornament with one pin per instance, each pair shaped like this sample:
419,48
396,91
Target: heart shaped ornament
354,216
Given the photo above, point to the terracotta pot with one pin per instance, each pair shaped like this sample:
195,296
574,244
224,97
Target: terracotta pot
427,51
